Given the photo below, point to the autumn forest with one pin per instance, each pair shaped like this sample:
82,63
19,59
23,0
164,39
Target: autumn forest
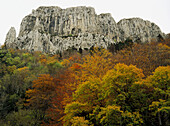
126,85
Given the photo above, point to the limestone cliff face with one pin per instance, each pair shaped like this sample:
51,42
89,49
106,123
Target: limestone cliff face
52,29
138,30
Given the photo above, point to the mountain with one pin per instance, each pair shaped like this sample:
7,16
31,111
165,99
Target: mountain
52,29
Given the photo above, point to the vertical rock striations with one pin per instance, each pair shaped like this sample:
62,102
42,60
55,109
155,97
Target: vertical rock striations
138,30
52,29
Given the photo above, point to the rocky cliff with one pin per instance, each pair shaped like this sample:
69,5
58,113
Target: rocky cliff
52,29
138,30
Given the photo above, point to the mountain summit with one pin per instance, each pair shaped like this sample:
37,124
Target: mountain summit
52,29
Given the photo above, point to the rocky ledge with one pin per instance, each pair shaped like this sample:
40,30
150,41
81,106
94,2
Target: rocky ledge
52,29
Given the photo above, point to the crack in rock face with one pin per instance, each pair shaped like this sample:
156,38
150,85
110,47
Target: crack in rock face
52,29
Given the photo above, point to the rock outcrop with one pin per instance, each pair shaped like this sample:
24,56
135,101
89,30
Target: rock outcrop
138,30
11,38
52,29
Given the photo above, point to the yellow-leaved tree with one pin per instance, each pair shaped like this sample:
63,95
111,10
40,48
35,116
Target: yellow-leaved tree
104,101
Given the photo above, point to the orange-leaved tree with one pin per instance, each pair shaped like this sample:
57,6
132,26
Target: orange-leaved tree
63,96
40,97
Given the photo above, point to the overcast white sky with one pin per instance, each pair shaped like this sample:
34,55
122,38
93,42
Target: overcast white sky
158,11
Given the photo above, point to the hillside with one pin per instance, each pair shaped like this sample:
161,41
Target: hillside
130,86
